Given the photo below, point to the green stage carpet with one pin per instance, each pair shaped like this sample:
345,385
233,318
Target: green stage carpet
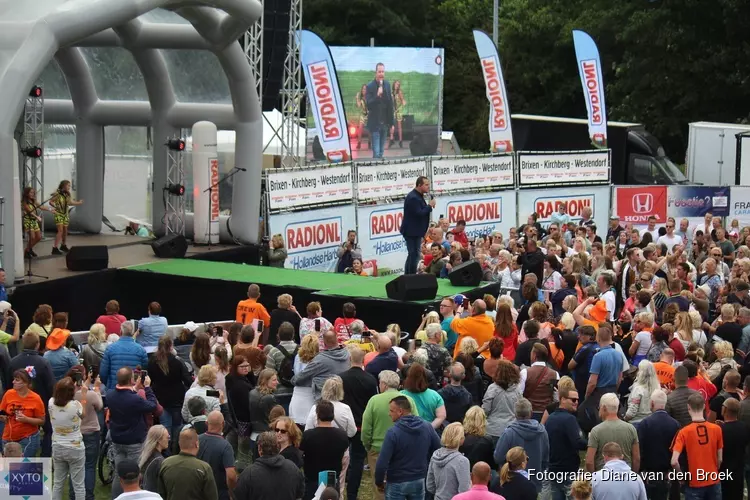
327,284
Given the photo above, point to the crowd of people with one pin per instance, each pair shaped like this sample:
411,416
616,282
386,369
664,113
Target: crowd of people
617,369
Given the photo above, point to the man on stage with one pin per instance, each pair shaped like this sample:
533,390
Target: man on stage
415,222
379,110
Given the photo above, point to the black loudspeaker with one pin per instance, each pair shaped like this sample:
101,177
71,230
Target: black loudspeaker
275,44
87,258
407,127
467,274
171,246
412,287
424,144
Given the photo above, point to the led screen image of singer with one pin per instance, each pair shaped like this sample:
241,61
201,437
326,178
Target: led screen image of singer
415,222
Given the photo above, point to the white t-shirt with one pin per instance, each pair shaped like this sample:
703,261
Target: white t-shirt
676,239
645,343
66,424
609,298
139,495
654,233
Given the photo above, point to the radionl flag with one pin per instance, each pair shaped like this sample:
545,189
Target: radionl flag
501,136
590,68
325,97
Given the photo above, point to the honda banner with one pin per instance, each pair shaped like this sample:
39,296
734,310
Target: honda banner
637,204
388,180
563,168
590,69
696,201
740,205
455,174
325,97
501,135
544,203
313,237
309,186
484,213
383,247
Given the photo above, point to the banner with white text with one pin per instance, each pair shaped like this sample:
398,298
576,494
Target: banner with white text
590,69
501,135
545,202
312,238
325,97
304,187
461,173
383,247
387,180
563,167
484,213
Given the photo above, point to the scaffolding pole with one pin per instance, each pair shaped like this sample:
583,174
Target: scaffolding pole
174,213
33,137
292,94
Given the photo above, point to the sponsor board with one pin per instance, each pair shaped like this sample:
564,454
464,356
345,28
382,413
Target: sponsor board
563,168
384,180
214,181
295,188
483,213
312,237
453,174
544,203
740,205
637,204
380,238
696,201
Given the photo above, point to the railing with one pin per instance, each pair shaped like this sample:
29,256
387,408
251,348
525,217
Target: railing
81,337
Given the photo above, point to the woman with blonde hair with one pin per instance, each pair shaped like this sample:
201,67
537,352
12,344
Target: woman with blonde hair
262,402
302,396
285,311
343,418
724,353
276,251
93,352
581,490
157,440
477,447
514,480
431,318
639,401
683,329
205,382
564,384
448,473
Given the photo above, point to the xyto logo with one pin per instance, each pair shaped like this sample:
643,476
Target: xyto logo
325,101
643,203
314,235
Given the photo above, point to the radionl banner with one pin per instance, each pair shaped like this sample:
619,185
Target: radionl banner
484,213
590,69
454,174
205,175
312,237
325,97
295,188
740,205
384,180
501,135
380,238
563,168
545,203
637,204
696,201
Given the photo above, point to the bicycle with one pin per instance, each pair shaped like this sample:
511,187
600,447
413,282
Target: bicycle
106,463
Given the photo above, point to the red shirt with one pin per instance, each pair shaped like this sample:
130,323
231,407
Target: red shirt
510,344
461,238
111,322
342,327
706,388
678,348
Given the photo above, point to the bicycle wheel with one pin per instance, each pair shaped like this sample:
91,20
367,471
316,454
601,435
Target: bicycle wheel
106,465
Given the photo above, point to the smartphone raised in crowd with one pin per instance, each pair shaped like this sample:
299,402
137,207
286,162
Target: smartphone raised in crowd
317,325
213,394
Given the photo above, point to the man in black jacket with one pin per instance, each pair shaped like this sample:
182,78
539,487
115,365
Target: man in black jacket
271,477
532,261
655,435
43,384
565,442
415,222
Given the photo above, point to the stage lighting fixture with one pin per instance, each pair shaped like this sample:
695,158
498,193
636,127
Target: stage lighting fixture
33,152
36,91
176,144
176,189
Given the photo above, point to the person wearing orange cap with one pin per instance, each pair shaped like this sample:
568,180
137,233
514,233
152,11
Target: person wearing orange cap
597,313
58,356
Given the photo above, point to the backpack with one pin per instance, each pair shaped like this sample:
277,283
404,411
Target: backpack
286,370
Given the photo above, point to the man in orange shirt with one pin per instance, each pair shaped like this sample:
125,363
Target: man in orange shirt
703,444
665,369
250,309
477,325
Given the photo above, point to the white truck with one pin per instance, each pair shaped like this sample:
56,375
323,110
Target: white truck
714,155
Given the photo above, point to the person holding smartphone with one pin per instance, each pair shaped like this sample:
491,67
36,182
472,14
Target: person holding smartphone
22,411
10,319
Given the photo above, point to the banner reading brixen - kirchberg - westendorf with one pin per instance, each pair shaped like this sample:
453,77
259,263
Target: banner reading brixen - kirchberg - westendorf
309,186
453,174
388,180
563,168
590,69
325,97
501,135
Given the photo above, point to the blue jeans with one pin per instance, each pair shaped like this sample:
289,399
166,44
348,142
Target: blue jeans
377,139
414,249
712,492
357,455
410,490
29,445
559,491
171,418
123,452
92,442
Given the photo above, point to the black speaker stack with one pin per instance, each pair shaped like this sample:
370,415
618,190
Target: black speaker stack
412,287
87,258
171,246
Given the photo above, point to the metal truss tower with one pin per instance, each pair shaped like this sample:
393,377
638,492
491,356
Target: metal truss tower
33,137
253,43
174,214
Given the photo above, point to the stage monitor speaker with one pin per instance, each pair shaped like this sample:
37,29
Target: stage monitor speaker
87,258
407,127
466,274
412,287
170,246
424,143
275,44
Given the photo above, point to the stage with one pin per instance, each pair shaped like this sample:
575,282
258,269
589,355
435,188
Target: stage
199,290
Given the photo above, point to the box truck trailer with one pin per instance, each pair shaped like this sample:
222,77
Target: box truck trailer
637,156
712,155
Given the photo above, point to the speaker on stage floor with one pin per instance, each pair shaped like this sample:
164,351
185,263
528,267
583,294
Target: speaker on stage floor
87,258
412,287
466,274
170,246
424,143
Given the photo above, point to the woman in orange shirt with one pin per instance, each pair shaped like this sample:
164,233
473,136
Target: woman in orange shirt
357,268
23,413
